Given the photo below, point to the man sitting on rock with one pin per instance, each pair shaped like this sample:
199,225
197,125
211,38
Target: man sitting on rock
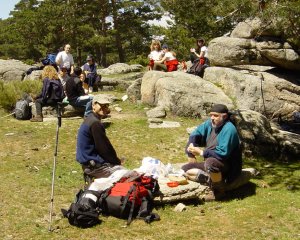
95,153
222,153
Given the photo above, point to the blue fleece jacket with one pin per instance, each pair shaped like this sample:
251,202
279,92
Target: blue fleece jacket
227,138
227,145
93,144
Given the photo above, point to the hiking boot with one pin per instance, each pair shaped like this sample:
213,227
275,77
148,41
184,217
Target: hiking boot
37,118
209,197
202,177
213,195
216,192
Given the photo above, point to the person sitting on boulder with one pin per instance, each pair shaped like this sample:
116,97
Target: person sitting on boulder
200,52
95,152
75,93
168,63
199,58
52,92
85,86
155,54
90,70
222,153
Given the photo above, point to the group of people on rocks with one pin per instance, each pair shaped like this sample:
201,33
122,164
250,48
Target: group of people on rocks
66,80
163,59
215,141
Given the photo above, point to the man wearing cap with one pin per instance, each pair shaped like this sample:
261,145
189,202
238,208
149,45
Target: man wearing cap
222,154
90,70
95,152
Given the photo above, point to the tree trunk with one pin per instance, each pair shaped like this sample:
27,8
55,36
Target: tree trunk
117,35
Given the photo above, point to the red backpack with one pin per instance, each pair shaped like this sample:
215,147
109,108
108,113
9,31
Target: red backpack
129,198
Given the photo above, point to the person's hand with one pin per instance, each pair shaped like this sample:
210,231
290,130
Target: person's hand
196,151
192,50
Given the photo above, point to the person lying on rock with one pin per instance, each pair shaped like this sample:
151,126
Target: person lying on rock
222,153
95,152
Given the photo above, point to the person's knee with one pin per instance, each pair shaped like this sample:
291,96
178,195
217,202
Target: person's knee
215,169
213,165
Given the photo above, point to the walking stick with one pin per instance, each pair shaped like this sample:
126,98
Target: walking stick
58,109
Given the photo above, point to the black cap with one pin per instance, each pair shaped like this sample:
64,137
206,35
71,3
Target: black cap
219,108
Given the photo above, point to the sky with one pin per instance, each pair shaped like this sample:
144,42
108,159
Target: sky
6,6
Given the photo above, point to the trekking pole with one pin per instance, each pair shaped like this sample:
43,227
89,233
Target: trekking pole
59,108
9,115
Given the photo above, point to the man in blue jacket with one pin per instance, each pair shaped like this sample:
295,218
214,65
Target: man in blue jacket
95,152
222,153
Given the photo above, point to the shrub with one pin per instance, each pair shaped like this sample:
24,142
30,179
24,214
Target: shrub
10,92
140,59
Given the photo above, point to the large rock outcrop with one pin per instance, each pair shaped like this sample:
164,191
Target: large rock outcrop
251,42
11,70
119,68
260,89
257,88
181,93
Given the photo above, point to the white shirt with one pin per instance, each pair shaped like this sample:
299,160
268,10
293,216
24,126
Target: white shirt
169,56
155,55
64,59
204,49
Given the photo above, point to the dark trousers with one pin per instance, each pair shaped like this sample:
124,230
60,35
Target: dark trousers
91,80
209,165
159,67
39,103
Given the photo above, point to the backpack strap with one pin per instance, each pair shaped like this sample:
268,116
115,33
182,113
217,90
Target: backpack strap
101,200
126,199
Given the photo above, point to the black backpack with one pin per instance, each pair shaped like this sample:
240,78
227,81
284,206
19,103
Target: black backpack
22,108
198,67
84,212
57,90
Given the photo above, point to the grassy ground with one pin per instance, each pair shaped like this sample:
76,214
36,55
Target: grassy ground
266,208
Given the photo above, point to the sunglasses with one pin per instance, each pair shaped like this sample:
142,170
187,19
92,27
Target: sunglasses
104,105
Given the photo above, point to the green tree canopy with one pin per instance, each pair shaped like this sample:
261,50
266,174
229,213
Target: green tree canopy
120,30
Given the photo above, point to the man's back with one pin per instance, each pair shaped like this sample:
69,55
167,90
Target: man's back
93,144
74,88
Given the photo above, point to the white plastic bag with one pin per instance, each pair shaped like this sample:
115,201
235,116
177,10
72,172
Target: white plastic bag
153,167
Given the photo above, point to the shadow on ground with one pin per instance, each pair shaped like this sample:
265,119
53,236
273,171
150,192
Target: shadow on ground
247,190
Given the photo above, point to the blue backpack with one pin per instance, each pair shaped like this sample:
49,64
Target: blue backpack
50,59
